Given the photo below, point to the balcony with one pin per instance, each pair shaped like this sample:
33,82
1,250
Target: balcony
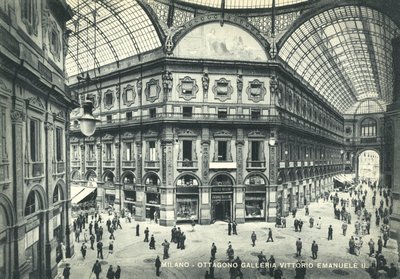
368,140
108,163
151,165
255,165
129,164
91,163
184,165
58,167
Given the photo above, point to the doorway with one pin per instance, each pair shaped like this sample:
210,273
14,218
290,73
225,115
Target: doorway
222,210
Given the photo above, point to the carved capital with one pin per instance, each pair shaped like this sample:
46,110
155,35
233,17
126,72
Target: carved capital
17,115
48,126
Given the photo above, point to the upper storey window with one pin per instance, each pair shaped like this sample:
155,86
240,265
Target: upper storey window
34,129
368,127
29,16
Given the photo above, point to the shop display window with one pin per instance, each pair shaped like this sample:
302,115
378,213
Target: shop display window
254,208
187,209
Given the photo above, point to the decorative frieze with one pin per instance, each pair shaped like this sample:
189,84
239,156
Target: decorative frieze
256,91
222,89
152,90
187,88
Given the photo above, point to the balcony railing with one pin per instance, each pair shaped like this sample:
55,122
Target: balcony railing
108,163
129,164
91,163
75,164
255,164
187,164
151,164
368,140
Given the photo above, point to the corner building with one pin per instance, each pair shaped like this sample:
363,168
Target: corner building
34,145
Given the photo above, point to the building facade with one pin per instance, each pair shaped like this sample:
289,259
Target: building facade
34,117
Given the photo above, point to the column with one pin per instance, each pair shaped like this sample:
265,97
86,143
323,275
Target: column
117,180
17,119
69,245
285,201
100,185
205,190
301,194
271,195
167,205
140,204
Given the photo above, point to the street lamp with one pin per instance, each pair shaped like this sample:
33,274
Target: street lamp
272,141
87,120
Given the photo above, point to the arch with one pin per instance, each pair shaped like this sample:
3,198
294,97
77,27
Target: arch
58,191
368,163
255,182
221,174
291,175
36,194
90,175
319,9
128,177
151,178
281,177
299,174
306,173
8,208
215,18
187,174
108,176
75,175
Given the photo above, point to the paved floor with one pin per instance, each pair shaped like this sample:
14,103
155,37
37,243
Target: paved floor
137,261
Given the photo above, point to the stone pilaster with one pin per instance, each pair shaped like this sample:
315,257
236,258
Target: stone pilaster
205,191
140,205
239,194
271,199
285,201
100,185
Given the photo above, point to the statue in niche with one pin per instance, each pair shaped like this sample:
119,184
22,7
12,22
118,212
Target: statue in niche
167,81
239,83
205,81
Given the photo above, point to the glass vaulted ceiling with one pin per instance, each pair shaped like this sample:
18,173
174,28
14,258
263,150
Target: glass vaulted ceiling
122,30
243,4
345,53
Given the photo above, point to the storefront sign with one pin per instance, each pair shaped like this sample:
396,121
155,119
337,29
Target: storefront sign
129,187
222,189
187,189
221,197
153,189
255,188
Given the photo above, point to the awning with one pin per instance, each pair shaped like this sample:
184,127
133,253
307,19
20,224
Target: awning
82,194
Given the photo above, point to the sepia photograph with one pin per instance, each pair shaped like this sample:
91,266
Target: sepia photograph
191,139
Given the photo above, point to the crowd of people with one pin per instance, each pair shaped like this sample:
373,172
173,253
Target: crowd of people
89,228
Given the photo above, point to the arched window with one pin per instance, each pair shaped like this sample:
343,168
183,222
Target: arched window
129,178
152,180
368,127
32,203
109,177
222,179
57,194
255,180
187,180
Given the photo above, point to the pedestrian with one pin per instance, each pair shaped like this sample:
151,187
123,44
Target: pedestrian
152,244
90,227
319,223
371,245
100,250
111,247
385,238
206,276
344,228
392,271
253,238
193,224
137,229
110,273
182,240
311,222
77,233
300,223
270,235
119,223
229,227
166,248
213,251
91,241
212,268
299,245
234,227
158,265
380,244
117,273
352,245
67,271
230,253
83,250
96,269
146,235
314,249
173,234
278,274
330,232
271,264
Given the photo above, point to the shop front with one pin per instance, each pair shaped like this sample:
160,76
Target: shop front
187,198
222,197
255,196
152,191
128,183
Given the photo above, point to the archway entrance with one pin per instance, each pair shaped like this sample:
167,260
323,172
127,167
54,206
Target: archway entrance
368,166
222,194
